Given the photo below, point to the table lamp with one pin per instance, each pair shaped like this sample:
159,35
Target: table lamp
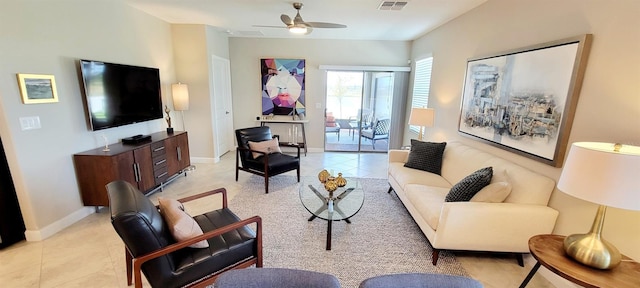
422,117
605,174
180,94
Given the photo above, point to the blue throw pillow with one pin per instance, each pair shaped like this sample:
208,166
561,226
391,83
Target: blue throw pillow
470,185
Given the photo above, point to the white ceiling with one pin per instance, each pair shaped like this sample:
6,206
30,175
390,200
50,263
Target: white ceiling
363,19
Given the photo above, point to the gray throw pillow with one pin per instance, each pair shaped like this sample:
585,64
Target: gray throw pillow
426,156
470,185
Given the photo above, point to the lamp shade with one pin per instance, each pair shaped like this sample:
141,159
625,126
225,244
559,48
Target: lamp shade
180,94
603,173
422,117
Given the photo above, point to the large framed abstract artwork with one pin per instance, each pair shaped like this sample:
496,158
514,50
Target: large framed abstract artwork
283,87
524,100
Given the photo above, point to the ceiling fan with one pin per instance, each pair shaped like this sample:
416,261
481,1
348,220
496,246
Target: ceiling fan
299,26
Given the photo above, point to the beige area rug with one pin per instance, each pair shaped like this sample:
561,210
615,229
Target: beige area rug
381,239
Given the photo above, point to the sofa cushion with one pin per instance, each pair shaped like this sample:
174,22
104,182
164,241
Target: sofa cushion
268,146
493,193
181,224
470,185
405,176
427,200
426,156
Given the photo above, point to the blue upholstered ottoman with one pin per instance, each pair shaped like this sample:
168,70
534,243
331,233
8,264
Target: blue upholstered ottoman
275,278
420,280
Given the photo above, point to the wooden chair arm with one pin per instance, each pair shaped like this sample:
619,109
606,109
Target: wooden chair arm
205,194
137,262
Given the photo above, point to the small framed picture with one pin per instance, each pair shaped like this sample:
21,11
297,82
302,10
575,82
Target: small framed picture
36,89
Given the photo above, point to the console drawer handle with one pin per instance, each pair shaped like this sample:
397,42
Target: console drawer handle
161,175
160,162
158,149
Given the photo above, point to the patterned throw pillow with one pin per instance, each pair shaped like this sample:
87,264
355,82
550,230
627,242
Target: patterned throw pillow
470,185
181,225
268,146
426,156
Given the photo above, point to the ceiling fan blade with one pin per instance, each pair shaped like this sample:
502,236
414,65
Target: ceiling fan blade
325,25
268,26
286,19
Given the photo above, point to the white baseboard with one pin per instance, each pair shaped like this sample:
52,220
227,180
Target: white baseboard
55,227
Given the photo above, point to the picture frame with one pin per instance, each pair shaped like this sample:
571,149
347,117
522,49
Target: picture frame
37,88
524,100
283,87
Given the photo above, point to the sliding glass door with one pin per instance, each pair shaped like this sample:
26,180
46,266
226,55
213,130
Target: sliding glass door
358,113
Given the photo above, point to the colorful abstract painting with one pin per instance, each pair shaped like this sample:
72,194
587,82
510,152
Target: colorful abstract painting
283,86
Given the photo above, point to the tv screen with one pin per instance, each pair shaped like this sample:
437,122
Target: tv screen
119,94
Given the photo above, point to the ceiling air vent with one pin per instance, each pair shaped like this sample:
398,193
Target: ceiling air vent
392,5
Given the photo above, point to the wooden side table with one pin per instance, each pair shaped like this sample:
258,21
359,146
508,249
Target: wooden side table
549,252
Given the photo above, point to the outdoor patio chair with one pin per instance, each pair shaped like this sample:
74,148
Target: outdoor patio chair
379,131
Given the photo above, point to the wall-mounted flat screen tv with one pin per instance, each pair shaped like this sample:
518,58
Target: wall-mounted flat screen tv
118,94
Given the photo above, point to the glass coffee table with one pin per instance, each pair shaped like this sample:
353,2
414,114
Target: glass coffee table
340,205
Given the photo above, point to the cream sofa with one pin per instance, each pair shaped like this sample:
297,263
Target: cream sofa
474,226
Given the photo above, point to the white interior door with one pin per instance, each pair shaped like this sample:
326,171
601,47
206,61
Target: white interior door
223,134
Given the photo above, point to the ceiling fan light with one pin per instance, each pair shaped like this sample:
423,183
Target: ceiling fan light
298,29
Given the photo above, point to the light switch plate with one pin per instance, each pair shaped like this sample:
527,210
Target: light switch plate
30,123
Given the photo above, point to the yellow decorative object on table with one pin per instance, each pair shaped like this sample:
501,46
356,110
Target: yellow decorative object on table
323,176
340,180
330,185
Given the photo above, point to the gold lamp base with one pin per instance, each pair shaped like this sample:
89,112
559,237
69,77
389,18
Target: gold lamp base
590,249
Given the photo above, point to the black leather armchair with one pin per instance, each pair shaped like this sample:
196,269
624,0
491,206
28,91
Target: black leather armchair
151,248
266,165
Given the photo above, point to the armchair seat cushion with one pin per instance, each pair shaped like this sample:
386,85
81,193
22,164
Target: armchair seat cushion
223,251
278,163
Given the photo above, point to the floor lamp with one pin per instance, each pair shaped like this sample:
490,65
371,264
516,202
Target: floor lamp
422,117
605,174
180,94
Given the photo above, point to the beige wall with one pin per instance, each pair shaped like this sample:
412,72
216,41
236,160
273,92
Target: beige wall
48,38
608,108
194,46
245,55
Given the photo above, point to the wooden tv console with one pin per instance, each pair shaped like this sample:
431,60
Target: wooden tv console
147,165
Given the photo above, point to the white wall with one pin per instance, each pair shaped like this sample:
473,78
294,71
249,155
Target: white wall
42,37
608,108
245,55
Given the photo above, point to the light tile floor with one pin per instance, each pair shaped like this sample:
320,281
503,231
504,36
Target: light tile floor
90,254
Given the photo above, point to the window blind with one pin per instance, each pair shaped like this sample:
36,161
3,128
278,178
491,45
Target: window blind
421,84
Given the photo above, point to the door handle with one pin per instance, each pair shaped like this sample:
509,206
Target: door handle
179,154
136,172
226,112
